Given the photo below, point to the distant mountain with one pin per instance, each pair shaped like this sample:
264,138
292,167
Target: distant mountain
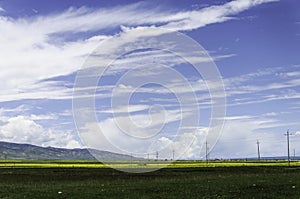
27,151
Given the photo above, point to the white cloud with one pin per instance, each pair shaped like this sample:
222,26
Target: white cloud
34,48
213,14
87,19
271,114
263,86
186,145
127,109
50,116
291,74
22,129
239,138
240,117
18,109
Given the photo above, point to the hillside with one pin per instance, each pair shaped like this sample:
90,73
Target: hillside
32,152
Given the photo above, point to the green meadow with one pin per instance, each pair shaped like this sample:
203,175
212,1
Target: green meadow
182,179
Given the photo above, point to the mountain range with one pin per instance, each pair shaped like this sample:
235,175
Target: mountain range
31,152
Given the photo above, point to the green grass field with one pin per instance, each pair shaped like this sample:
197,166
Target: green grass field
184,179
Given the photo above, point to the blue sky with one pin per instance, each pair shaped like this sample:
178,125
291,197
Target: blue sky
255,45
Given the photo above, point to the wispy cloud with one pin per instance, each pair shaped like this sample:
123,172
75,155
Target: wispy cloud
213,14
1,9
37,48
276,83
40,45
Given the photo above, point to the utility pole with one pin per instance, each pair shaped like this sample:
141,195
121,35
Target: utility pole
294,154
288,146
206,152
156,155
173,151
258,151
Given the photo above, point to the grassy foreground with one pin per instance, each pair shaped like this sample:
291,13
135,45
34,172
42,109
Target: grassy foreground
185,182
